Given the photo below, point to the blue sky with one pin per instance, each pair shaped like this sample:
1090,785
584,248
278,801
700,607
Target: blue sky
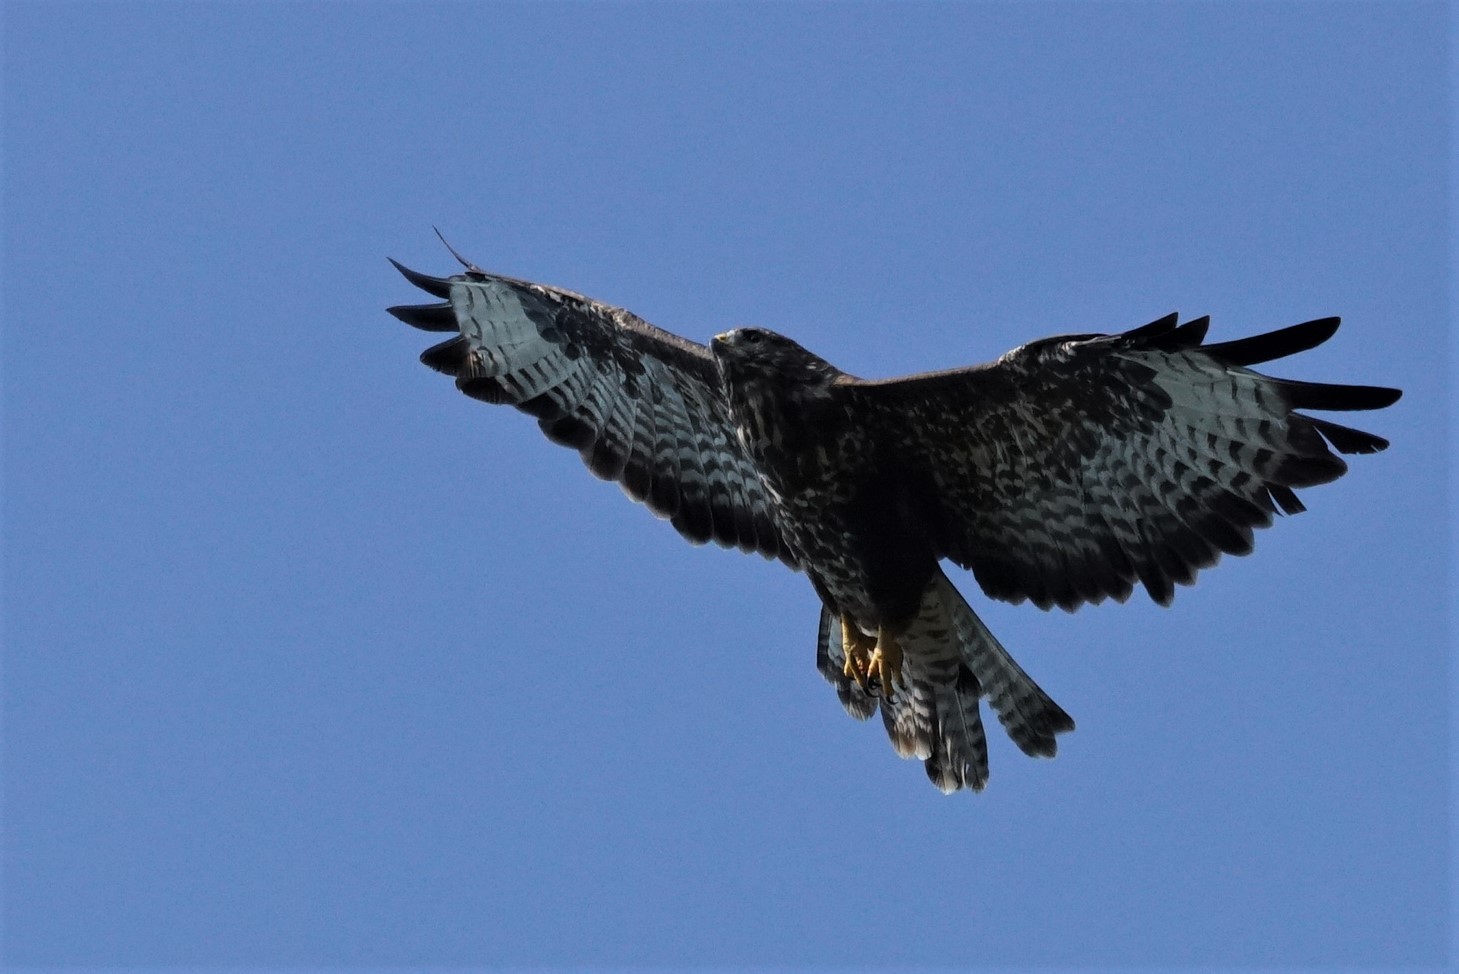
309,660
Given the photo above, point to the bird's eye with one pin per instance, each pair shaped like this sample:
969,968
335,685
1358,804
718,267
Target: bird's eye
753,337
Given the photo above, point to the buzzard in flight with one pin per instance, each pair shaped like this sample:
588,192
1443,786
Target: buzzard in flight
1064,472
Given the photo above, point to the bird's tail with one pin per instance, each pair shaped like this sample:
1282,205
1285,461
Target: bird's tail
949,661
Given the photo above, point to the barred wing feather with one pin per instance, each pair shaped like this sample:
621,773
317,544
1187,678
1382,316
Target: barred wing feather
640,405
1072,468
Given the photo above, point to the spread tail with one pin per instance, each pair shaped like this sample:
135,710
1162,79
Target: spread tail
950,660
1027,713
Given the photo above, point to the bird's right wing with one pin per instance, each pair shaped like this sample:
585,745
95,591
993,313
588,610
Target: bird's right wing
641,406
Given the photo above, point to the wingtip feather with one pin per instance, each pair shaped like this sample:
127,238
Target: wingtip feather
1154,329
449,357
1275,344
426,317
1336,396
438,286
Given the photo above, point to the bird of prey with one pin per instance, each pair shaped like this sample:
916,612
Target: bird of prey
1065,472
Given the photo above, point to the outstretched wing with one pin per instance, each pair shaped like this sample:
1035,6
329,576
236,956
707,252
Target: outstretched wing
641,406
1074,466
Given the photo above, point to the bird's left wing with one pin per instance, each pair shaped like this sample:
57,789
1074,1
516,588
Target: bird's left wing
1073,467
641,406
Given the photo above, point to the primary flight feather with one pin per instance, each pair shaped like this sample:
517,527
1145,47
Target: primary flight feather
1067,471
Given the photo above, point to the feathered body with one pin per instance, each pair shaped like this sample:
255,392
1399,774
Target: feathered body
840,498
1065,472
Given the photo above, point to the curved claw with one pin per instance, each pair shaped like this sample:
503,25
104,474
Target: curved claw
856,647
886,663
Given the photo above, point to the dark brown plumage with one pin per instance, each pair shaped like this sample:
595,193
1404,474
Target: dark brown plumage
1067,471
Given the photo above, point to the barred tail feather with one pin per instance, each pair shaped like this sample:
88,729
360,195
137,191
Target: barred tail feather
959,757
936,707
1029,715
933,716
950,661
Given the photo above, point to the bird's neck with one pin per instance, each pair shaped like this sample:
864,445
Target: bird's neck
785,435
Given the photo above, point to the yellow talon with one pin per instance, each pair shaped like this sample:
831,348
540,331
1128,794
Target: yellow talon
886,662
857,648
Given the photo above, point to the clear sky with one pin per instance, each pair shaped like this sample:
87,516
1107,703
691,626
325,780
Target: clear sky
310,660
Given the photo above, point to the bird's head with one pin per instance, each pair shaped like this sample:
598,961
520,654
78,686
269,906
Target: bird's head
752,356
776,390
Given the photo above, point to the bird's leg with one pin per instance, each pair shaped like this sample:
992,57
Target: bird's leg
886,661
857,647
